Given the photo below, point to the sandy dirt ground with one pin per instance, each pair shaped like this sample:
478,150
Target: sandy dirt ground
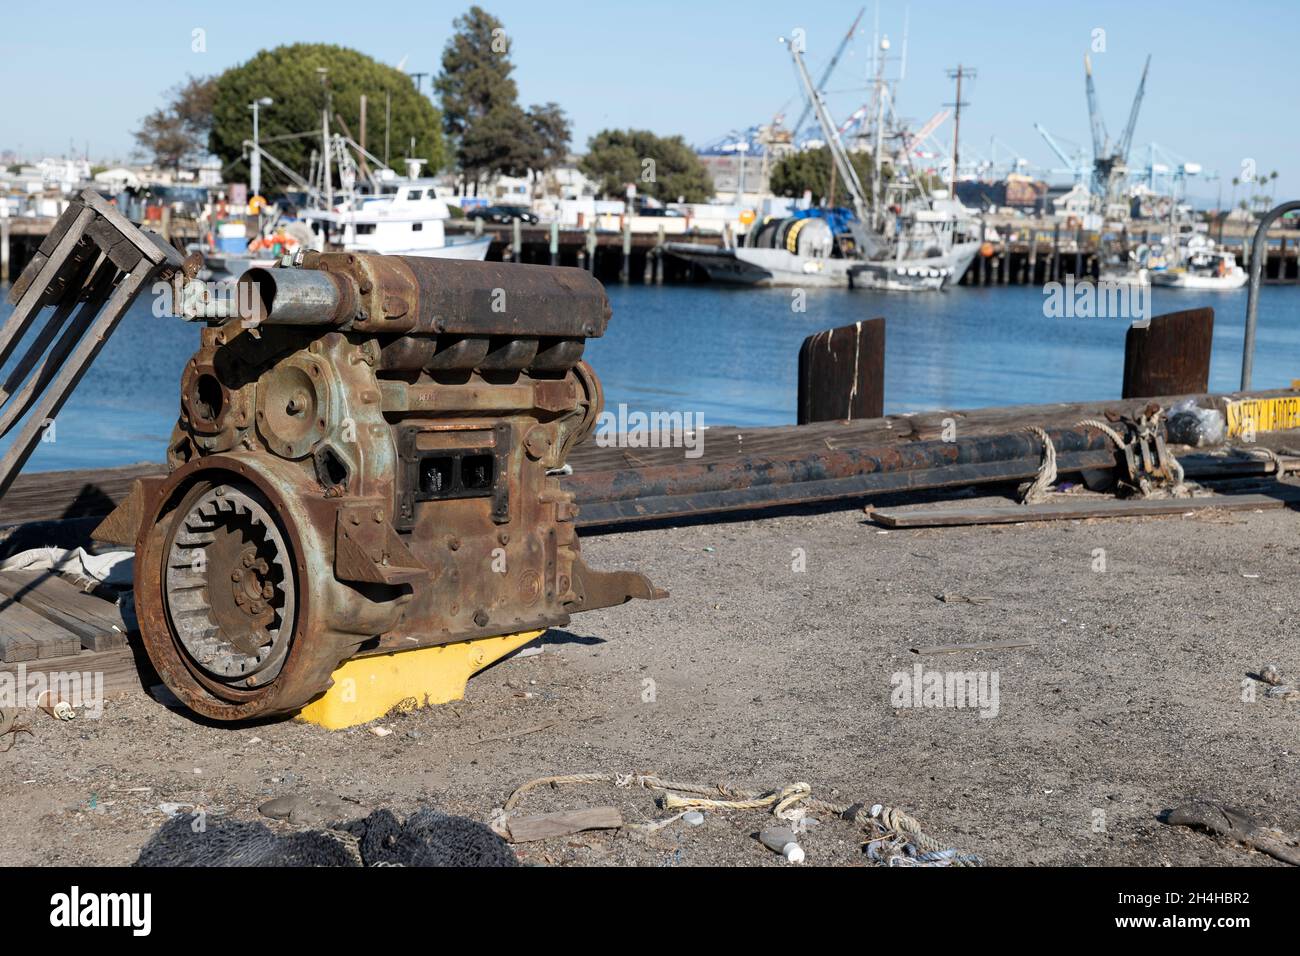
1134,698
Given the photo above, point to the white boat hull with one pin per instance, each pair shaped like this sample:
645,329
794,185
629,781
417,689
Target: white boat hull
1204,283
475,250
777,267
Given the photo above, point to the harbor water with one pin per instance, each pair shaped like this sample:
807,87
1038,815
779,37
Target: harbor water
730,355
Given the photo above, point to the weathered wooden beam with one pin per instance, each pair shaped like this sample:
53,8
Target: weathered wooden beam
1077,510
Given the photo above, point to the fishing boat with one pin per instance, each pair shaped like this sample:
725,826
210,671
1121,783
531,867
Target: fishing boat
904,239
1198,263
407,220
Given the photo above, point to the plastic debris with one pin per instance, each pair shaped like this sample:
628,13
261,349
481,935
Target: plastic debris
693,818
1188,424
782,840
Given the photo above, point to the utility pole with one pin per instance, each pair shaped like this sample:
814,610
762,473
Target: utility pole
255,164
957,74
419,81
327,177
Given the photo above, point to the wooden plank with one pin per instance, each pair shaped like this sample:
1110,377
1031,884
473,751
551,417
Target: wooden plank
56,495
1078,510
122,671
97,623
544,825
22,630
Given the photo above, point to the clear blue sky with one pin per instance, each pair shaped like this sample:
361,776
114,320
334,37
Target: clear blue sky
1222,86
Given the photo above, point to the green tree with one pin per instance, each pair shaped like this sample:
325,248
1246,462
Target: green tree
480,109
810,169
662,167
289,75
180,130
475,79
550,134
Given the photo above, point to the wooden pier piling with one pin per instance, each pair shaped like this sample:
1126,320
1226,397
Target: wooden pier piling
842,373
1169,355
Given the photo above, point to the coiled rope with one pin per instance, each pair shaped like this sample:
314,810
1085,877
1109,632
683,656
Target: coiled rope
789,803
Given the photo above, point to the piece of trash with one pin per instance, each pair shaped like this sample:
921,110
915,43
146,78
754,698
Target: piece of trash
380,731
171,809
963,598
1245,575
528,651
693,818
1270,674
1186,424
59,709
710,549
1283,693
782,840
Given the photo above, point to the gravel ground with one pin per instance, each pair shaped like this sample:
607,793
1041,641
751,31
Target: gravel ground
1134,698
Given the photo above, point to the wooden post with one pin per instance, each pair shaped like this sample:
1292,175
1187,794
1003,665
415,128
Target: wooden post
1033,257
555,243
4,249
591,246
516,241
625,270
1056,253
842,373
1169,355
1005,262
1078,254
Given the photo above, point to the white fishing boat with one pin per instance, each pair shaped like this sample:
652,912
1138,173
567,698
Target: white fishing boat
901,240
409,220
1198,263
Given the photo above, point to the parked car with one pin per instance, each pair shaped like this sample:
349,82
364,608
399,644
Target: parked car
502,214
658,211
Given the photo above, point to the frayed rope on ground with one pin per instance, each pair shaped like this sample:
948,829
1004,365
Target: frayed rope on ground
895,838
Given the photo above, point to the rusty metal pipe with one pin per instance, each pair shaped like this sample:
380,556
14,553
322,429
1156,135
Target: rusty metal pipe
297,297
690,478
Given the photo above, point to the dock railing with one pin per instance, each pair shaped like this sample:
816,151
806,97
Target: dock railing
1256,276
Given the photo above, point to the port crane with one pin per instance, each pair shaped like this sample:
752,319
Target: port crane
1110,160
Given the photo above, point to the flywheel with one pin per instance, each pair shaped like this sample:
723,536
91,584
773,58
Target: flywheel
229,586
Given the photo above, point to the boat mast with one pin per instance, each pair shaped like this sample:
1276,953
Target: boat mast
833,142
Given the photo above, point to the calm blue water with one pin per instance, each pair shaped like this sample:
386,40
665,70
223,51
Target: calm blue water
731,354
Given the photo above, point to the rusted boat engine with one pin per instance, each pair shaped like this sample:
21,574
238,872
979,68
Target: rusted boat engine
364,463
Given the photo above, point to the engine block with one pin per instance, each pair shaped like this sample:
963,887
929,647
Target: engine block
366,461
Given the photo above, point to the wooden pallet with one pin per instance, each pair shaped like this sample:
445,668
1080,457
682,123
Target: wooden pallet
43,615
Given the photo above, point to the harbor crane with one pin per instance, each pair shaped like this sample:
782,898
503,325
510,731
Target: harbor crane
1110,160
830,68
